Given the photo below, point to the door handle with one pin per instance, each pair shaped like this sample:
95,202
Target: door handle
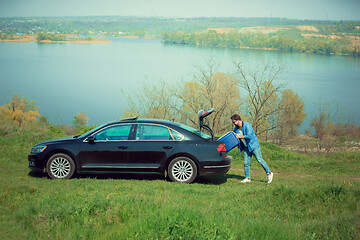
122,147
167,147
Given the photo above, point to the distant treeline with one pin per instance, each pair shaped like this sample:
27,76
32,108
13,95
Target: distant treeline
153,26
329,37
235,39
52,37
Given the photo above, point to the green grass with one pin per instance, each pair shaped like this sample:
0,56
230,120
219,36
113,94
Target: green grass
312,197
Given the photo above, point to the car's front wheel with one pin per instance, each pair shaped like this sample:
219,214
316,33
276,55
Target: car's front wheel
182,169
60,166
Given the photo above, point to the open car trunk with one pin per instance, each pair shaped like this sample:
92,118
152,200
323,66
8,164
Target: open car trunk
202,114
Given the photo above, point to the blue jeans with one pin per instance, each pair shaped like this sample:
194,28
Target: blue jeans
247,158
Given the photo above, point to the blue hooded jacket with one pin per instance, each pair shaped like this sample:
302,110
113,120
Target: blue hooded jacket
250,138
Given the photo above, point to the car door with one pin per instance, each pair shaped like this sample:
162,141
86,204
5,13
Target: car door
152,146
108,150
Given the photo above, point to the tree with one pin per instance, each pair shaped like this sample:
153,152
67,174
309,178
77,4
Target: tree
19,112
262,103
290,117
266,106
181,102
140,33
292,111
219,91
153,100
191,99
52,37
41,36
80,121
330,125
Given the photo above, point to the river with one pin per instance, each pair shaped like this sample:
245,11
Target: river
64,79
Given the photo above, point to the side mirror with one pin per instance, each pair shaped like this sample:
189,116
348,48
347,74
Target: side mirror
91,139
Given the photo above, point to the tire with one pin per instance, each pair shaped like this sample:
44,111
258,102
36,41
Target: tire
60,166
182,169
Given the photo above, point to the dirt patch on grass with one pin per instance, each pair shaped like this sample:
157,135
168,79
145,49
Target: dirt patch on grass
307,28
263,29
222,30
355,40
314,35
287,174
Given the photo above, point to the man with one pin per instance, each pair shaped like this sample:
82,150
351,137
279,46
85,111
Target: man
250,145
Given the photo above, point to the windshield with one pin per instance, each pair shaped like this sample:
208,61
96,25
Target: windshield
91,131
196,131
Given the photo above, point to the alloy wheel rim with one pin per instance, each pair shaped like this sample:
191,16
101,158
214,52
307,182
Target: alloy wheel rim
60,167
182,171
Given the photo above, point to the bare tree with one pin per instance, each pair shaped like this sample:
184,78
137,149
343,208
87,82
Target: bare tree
264,104
330,125
210,89
153,100
182,101
262,88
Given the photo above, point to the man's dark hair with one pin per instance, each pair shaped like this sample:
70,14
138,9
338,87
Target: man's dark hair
235,117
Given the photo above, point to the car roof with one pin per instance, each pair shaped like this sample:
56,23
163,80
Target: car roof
147,120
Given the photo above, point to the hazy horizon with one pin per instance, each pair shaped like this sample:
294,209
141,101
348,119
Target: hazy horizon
302,10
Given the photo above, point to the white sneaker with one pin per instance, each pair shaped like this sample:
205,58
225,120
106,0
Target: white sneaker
270,177
245,180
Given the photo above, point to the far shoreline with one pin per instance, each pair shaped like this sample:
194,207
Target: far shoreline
78,40
98,40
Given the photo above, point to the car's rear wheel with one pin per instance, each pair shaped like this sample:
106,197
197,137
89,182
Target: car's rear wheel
182,169
60,166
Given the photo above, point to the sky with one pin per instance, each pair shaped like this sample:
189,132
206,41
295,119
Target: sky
293,9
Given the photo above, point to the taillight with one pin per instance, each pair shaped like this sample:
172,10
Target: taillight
221,147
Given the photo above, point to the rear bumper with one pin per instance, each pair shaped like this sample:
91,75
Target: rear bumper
216,167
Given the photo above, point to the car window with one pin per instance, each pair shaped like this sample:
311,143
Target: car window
152,132
177,136
114,133
196,131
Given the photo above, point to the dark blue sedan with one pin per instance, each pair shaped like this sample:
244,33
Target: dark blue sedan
147,146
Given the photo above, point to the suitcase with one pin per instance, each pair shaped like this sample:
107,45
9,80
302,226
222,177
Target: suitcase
230,140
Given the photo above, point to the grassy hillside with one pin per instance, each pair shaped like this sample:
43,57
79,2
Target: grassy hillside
312,197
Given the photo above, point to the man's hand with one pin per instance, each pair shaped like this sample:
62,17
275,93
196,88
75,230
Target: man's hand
239,136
